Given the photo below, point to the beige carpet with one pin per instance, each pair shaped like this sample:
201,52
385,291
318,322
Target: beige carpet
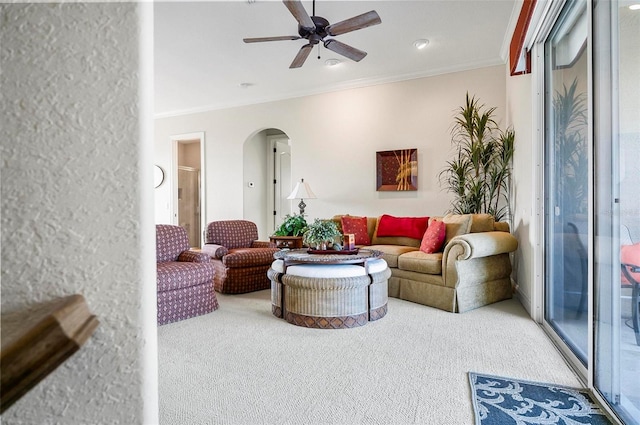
242,365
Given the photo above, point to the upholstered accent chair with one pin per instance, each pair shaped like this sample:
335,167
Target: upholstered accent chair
184,277
241,261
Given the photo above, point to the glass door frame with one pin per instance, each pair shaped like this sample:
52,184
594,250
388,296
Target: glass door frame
600,119
548,17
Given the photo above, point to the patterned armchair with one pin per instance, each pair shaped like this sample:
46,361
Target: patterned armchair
184,277
240,260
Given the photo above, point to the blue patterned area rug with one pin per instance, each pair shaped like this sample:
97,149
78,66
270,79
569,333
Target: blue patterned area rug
498,400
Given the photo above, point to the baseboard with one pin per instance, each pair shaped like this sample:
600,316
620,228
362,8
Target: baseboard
524,300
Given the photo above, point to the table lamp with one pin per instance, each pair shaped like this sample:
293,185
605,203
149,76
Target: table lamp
302,191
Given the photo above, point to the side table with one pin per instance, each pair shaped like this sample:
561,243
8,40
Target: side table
291,242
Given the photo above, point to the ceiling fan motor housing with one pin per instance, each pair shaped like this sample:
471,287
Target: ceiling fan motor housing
314,35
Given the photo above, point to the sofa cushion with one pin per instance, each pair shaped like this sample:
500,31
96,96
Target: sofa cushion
433,238
249,257
390,253
411,227
457,224
174,275
482,223
357,226
421,262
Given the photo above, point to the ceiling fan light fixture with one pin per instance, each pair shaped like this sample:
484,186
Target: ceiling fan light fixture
421,43
315,28
332,62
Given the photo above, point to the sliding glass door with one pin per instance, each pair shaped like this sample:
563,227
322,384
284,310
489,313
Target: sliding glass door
592,196
567,179
616,374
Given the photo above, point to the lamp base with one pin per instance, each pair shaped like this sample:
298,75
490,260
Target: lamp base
302,205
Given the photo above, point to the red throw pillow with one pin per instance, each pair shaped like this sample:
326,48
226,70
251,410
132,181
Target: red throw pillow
410,227
433,238
357,226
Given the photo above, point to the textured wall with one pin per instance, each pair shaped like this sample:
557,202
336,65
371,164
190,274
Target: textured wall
71,219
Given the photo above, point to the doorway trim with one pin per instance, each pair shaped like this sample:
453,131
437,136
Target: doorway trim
175,140
271,173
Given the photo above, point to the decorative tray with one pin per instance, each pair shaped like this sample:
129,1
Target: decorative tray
332,251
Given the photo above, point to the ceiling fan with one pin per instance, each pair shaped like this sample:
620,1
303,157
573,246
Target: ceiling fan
316,29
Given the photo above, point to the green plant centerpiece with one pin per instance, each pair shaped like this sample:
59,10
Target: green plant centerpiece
320,233
293,225
480,175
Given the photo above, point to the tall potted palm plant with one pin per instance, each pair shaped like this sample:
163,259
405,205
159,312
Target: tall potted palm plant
479,176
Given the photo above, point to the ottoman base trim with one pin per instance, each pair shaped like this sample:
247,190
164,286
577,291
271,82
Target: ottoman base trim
340,322
378,313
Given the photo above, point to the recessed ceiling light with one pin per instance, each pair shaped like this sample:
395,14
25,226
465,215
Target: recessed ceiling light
332,62
245,85
635,7
421,44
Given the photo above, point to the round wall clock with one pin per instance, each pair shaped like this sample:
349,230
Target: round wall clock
158,176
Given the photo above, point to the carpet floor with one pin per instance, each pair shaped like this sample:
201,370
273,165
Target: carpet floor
242,365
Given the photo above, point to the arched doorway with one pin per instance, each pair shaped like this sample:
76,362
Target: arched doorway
267,179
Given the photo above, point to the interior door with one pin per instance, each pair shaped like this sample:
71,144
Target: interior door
281,179
188,184
189,203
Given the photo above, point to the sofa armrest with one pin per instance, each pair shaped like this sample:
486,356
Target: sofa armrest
263,244
477,247
194,257
215,251
484,244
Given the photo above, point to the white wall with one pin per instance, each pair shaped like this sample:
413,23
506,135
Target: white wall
255,171
73,197
334,139
520,115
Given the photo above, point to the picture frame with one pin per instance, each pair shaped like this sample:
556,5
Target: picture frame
397,170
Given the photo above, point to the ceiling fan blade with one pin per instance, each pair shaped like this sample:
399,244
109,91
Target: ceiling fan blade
302,55
297,10
278,38
355,23
345,50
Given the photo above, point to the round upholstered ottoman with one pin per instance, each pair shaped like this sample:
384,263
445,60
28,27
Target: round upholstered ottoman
329,296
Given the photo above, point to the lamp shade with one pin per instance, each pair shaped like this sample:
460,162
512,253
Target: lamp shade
302,191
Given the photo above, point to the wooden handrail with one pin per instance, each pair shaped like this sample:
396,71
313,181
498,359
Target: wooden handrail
35,341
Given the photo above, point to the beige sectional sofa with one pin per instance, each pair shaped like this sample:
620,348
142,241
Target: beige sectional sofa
473,269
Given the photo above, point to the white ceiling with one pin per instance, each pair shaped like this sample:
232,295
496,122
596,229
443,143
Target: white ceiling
201,60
